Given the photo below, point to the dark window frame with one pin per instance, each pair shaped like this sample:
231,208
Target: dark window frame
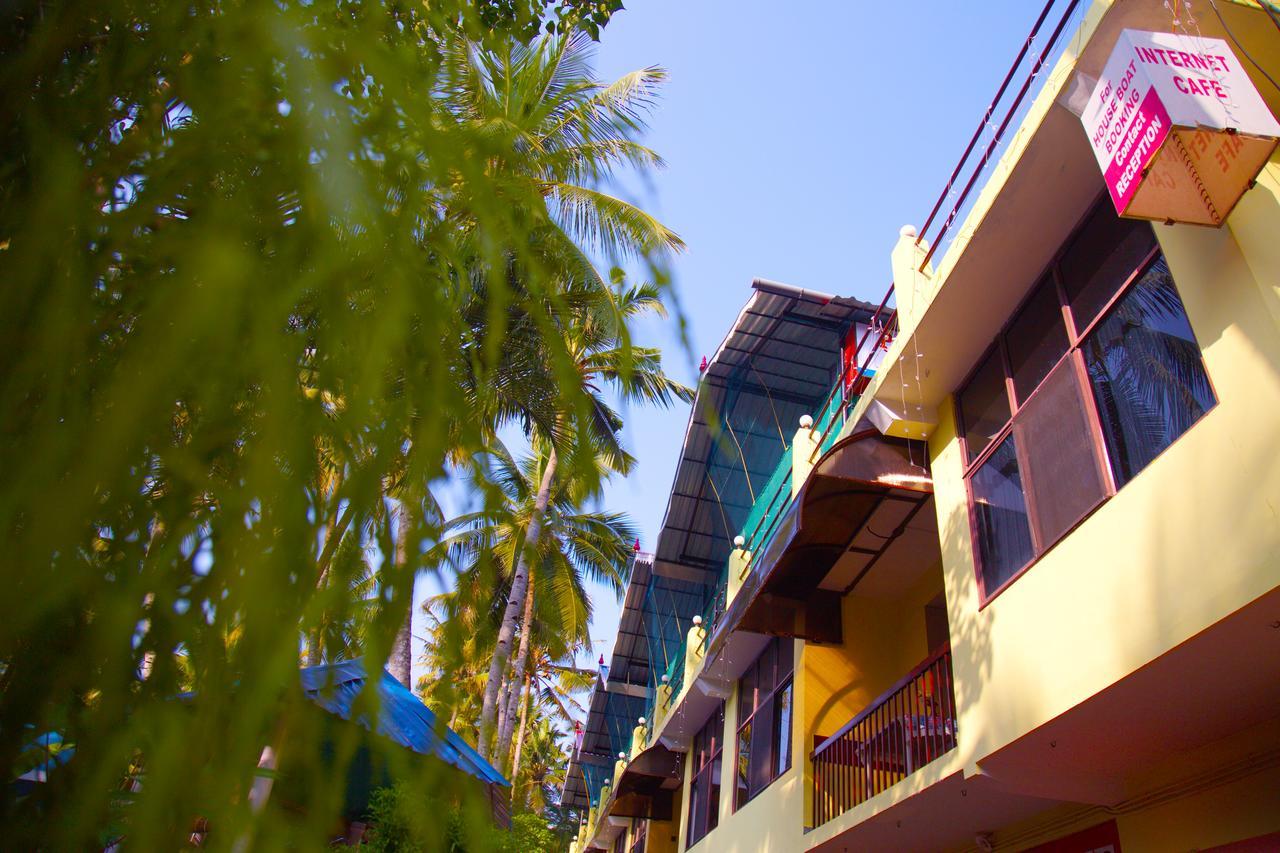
781,684
1074,354
639,835
707,752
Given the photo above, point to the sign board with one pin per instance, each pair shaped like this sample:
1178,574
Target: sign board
1177,127
870,338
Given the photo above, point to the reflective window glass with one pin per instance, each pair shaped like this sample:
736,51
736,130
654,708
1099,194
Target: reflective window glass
1148,378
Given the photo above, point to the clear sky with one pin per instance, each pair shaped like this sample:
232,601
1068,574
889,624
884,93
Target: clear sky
799,137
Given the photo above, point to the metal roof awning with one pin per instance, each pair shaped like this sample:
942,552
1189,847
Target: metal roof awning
779,360
858,499
615,706
647,785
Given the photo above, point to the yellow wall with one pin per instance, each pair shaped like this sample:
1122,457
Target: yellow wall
773,819
1222,792
1134,579
1191,539
663,834
883,641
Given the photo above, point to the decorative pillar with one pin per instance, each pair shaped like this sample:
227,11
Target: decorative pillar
912,285
694,651
739,567
638,738
804,452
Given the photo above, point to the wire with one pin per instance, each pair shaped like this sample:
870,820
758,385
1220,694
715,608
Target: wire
1214,5
1272,13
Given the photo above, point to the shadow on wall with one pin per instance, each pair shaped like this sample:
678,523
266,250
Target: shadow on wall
971,632
1187,541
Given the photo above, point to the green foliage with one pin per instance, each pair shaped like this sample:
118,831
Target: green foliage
529,832
400,822
266,281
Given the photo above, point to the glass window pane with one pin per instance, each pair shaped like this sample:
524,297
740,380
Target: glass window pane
768,664
1004,537
786,659
713,796
1147,375
761,748
984,404
1064,473
1036,339
742,792
1100,259
747,692
782,732
697,811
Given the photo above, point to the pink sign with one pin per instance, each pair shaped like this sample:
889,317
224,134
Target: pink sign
1142,138
1158,85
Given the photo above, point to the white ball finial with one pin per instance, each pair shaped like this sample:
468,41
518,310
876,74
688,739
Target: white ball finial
665,679
806,421
907,231
640,721
738,541
621,755
697,620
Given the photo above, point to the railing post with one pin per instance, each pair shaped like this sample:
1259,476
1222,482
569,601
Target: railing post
693,651
912,277
662,701
910,725
739,568
638,735
803,453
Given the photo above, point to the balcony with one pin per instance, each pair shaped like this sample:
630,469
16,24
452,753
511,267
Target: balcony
855,512
910,725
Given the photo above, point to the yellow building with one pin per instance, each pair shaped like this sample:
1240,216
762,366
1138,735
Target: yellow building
993,565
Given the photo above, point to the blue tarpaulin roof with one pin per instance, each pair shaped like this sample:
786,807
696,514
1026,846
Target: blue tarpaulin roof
401,715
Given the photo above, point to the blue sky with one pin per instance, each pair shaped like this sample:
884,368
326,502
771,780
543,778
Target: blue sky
799,137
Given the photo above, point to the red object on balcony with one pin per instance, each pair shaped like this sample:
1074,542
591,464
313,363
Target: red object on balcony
910,725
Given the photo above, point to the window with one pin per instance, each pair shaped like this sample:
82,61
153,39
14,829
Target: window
1094,376
639,833
1145,370
704,786
764,721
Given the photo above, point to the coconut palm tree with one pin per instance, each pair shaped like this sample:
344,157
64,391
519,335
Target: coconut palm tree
567,132
572,546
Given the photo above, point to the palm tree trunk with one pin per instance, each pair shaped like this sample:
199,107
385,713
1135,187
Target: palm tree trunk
400,663
524,719
519,587
503,695
315,652
518,673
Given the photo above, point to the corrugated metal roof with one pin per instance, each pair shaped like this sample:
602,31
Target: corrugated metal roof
401,715
780,360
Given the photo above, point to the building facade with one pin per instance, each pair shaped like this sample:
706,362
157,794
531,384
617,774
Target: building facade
994,564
